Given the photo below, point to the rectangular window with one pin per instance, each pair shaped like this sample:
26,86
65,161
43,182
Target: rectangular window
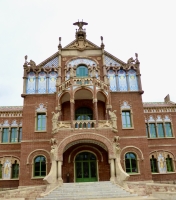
13,135
126,119
41,122
20,135
152,129
160,130
168,129
5,135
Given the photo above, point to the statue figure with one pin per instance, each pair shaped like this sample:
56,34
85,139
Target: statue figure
54,121
53,152
136,60
31,63
113,118
53,141
130,60
72,73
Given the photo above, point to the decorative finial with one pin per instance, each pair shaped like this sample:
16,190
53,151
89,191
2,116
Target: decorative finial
80,24
102,45
25,57
59,46
136,60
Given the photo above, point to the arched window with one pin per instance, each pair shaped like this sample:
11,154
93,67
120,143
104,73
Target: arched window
31,83
169,164
81,71
133,85
153,164
40,166
131,163
83,113
122,83
15,170
112,80
42,83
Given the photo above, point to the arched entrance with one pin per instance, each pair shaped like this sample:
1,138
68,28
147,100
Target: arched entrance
85,167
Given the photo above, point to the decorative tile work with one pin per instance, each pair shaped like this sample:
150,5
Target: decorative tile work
6,123
52,63
109,60
41,108
125,105
11,108
14,123
82,61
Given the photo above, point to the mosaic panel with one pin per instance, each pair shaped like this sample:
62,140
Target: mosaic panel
122,80
112,80
30,83
109,60
42,83
52,63
52,82
161,164
82,61
133,85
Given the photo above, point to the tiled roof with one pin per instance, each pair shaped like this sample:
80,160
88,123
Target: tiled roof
10,108
157,104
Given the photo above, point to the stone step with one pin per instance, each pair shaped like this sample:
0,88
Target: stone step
88,190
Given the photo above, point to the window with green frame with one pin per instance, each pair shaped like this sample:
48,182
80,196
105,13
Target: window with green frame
83,113
5,135
81,71
152,130
15,170
39,166
153,164
160,129
126,119
14,135
0,170
169,164
41,121
168,129
131,163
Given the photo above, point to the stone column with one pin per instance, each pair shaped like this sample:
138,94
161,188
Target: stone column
72,112
139,82
59,172
95,111
24,84
47,83
36,84
128,84
112,170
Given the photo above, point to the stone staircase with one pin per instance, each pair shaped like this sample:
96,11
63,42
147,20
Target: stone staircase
88,190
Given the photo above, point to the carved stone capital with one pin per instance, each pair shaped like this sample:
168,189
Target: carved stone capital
95,101
72,101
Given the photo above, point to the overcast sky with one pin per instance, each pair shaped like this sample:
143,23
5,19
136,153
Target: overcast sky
32,27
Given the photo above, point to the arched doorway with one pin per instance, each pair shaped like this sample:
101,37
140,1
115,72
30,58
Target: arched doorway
85,167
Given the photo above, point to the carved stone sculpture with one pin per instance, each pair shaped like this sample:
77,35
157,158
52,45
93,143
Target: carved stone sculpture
113,118
130,60
54,121
31,63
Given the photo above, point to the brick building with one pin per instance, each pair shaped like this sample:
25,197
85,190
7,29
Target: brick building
83,119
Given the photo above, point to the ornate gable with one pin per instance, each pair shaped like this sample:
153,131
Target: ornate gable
51,62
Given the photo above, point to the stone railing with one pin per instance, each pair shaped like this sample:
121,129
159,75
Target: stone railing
86,81
84,124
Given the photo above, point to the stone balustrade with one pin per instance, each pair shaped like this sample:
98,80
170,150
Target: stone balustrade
84,124
86,81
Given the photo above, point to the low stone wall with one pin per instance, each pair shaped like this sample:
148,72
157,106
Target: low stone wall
147,188
28,193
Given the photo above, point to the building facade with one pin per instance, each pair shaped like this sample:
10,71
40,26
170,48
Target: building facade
83,119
